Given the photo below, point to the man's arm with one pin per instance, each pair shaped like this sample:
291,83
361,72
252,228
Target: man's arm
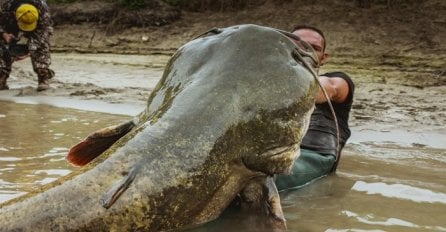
336,87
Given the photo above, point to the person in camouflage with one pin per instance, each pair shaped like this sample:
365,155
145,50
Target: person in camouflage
29,19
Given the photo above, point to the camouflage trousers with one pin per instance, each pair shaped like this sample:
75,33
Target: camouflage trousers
38,45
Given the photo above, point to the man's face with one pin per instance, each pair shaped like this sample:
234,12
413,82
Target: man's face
315,40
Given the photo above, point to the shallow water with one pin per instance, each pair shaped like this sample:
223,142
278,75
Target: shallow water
34,140
386,187
389,188
388,179
378,186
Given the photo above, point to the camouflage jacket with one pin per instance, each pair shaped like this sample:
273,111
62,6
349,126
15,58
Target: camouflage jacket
8,21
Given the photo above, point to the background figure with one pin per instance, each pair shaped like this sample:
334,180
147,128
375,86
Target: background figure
29,19
319,145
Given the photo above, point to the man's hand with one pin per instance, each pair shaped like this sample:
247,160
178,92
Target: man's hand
19,58
7,37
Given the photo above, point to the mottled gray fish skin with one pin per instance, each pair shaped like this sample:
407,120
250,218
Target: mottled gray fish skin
230,107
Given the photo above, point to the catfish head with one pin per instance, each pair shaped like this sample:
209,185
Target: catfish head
230,109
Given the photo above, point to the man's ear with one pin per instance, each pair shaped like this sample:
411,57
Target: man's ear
324,59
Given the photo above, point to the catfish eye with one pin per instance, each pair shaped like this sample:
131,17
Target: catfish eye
301,58
305,46
296,56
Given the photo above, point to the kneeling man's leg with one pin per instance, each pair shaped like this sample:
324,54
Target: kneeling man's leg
309,166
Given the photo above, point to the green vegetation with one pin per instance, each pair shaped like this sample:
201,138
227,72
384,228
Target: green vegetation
221,5
216,5
61,1
134,4
173,2
194,5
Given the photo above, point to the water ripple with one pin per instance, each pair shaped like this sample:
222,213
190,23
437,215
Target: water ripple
401,191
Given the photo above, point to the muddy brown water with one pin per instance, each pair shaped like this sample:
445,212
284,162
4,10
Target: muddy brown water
388,180
34,140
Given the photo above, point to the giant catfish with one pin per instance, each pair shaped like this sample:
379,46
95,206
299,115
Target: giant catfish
231,107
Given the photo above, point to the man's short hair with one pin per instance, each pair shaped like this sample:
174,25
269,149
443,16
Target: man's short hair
300,27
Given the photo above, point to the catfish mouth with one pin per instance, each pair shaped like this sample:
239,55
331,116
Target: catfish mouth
280,151
276,160
284,156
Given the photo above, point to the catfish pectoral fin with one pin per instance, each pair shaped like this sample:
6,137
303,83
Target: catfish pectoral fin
261,195
96,143
274,206
115,192
275,209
